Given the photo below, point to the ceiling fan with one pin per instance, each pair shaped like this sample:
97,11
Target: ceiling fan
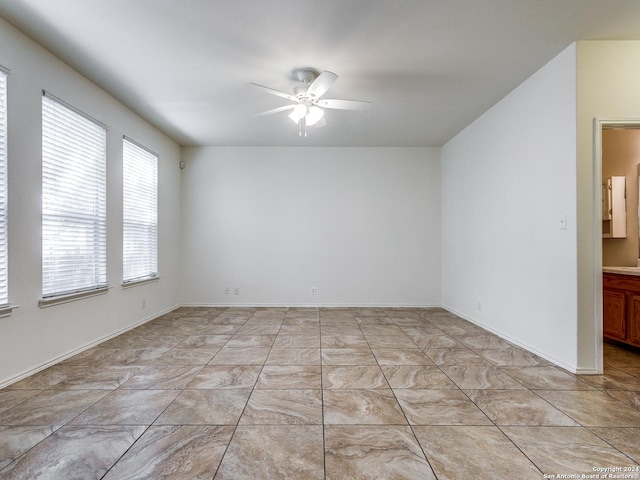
307,107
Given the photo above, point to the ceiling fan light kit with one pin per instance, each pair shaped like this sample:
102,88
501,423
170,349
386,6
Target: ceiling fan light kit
314,114
298,113
307,107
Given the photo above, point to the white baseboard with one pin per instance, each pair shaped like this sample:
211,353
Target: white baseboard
78,350
304,305
555,361
587,371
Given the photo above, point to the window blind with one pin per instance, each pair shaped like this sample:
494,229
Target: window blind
4,280
74,233
140,212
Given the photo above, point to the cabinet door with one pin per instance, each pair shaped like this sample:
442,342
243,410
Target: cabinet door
633,335
615,318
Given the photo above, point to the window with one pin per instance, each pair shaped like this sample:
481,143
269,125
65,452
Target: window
140,212
74,233
4,280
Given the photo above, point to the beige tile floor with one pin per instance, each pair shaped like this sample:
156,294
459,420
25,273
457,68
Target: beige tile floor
362,393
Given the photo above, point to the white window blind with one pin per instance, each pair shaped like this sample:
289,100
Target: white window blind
74,233
4,281
140,212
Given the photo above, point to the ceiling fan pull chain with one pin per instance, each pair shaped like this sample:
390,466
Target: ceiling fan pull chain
303,127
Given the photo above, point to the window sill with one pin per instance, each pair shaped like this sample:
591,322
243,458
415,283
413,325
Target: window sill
142,281
6,310
60,299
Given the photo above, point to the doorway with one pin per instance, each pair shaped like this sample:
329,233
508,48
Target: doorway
618,153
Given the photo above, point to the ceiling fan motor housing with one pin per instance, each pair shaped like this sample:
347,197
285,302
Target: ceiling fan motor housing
306,77
301,89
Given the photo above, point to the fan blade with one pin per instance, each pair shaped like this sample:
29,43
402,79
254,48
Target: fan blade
275,110
321,84
275,92
343,104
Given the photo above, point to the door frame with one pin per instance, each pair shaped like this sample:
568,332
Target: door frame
598,125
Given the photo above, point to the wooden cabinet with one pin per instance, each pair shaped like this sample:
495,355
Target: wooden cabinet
621,308
614,307
633,332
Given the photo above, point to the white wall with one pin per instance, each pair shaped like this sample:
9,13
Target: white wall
362,225
507,181
608,75
31,337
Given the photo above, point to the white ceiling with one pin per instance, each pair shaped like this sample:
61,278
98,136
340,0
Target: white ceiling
429,67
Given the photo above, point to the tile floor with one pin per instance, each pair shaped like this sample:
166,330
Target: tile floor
244,393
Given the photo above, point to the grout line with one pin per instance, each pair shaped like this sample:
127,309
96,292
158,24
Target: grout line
235,427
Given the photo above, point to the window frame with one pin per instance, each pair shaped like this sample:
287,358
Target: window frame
81,149
5,306
145,220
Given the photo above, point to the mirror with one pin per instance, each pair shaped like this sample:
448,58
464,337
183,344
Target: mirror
620,149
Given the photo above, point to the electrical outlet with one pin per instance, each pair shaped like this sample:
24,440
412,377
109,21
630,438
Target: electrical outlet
313,290
236,291
227,290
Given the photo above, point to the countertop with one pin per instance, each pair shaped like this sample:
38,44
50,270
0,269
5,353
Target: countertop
623,270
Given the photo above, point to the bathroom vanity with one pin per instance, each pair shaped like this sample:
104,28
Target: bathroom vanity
621,304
